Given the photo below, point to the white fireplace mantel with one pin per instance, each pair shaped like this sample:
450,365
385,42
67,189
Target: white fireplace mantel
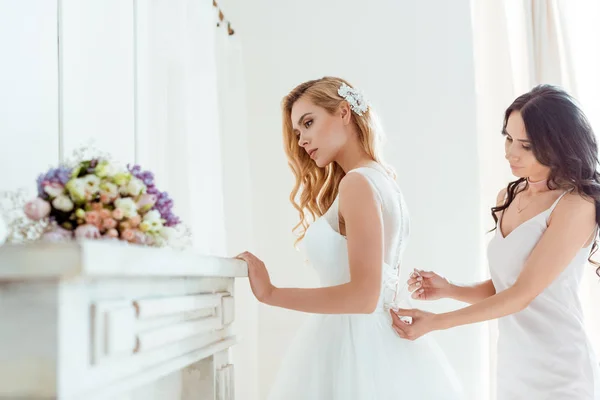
107,320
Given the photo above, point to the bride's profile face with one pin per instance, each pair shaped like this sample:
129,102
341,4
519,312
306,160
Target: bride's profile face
319,133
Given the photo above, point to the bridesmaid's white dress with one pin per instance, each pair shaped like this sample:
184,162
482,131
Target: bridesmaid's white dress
543,351
360,357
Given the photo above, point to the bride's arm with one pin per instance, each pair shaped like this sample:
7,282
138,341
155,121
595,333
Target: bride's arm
569,230
361,211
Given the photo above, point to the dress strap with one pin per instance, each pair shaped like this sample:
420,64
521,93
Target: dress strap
551,209
368,172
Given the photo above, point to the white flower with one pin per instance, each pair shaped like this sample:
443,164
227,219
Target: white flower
135,187
63,203
109,189
92,184
152,222
153,216
168,233
54,189
104,169
122,178
127,206
76,188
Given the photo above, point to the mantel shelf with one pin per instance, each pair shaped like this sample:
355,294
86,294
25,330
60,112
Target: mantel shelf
110,259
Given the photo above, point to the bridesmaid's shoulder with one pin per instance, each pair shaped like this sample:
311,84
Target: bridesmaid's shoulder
579,203
501,197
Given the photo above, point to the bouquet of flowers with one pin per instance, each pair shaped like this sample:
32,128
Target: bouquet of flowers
94,198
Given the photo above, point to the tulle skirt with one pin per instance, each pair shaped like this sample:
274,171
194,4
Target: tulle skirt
360,357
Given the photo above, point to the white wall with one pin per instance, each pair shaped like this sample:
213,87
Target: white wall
414,61
28,90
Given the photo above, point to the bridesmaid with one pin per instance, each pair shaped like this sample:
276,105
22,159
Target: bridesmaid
546,229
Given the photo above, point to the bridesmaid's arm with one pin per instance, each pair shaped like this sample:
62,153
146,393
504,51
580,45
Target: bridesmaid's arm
471,293
427,285
361,210
572,223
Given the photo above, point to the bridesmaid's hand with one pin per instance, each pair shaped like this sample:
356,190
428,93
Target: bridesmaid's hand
260,282
422,322
425,285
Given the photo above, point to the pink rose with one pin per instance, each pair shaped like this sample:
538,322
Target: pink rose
128,234
105,214
118,214
112,233
92,217
105,198
57,234
87,232
135,221
109,223
140,237
37,209
146,202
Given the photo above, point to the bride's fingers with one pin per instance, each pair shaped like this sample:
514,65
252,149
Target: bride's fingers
246,255
414,286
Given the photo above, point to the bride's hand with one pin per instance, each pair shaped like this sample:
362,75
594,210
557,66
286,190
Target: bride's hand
425,285
260,282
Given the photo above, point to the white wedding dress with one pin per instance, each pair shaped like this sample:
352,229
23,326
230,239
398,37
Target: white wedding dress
359,356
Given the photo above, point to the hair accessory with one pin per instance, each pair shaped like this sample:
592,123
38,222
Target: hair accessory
357,102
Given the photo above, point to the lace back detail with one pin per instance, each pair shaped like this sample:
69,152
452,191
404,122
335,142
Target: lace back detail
390,287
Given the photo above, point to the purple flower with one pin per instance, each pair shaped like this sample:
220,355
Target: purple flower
60,175
163,204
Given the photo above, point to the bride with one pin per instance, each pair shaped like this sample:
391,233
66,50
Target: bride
347,350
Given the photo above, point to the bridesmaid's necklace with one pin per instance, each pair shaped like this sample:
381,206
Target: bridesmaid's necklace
534,184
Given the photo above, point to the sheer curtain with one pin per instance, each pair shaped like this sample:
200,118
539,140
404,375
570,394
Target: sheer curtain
519,44
177,112
584,30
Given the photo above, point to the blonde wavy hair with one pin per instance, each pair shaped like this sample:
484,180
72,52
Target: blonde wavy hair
317,188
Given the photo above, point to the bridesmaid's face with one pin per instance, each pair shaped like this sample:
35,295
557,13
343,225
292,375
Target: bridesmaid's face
518,151
321,134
